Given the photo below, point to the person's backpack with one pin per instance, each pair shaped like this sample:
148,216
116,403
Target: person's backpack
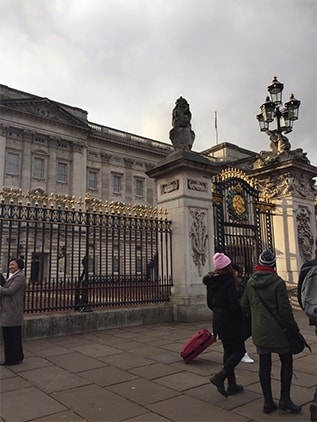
308,294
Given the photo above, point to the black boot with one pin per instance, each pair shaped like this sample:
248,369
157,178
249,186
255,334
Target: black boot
265,380
287,404
234,389
269,406
218,380
313,412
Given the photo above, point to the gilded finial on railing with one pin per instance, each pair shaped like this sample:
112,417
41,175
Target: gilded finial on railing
51,200
80,203
40,199
73,202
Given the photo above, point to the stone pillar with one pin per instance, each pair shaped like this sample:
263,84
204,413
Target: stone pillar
183,181
79,176
26,172
2,154
52,163
287,181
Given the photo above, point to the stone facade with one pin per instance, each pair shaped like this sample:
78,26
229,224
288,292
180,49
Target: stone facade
52,147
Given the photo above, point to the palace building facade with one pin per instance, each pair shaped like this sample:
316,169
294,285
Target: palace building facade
52,147
49,148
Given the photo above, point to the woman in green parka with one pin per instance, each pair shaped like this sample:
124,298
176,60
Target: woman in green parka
267,334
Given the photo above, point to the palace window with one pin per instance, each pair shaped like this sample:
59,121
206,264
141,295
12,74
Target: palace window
116,183
62,172
12,166
38,168
139,187
92,179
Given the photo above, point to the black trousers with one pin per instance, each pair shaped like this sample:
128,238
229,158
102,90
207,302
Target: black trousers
286,373
13,349
233,352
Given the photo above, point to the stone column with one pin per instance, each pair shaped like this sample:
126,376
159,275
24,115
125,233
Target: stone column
79,174
2,154
26,173
51,181
183,181
287,181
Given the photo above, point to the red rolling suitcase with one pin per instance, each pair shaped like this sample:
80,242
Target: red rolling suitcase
194,346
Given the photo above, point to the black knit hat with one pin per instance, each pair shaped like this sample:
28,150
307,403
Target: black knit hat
267,258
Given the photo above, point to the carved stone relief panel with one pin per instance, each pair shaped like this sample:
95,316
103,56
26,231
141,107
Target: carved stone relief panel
198,236
170,186
197,185
304,233
288,183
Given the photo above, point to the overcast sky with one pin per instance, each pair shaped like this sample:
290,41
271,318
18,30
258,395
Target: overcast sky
127,61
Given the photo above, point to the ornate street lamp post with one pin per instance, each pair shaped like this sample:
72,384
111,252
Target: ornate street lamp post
270,111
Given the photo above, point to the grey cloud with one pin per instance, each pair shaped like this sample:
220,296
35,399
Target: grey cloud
127,61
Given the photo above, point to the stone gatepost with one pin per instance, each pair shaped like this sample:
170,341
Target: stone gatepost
183,181
286,179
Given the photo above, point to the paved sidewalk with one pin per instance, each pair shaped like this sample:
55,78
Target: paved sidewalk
136,374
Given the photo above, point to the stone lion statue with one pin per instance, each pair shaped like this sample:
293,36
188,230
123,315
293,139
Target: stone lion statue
181,135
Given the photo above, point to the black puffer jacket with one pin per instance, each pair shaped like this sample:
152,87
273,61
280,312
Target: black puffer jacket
223,300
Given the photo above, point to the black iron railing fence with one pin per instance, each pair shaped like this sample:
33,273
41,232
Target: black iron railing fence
86,254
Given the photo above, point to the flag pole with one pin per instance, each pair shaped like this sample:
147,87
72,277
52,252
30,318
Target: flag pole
216,128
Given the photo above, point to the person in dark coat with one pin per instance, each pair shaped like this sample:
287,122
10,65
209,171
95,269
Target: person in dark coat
247,318
228,322
11,312
303,271
306,267
267,334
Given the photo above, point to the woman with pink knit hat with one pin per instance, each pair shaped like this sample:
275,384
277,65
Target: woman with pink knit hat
228,321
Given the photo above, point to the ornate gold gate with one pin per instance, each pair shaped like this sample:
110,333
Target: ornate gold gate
242,219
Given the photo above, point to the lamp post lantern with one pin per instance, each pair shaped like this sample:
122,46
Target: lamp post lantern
270,111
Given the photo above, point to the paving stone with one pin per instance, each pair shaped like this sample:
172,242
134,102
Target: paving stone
148,417
51,349
5,372
13,383
182,381
209,394
108,375
144,350
143,391
255,408
67,416
53,378
76,362
183,408
126,360
166,357
27,404
32,362
94,403
95,350
156,370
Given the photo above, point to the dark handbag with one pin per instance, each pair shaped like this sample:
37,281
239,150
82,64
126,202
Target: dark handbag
297,343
